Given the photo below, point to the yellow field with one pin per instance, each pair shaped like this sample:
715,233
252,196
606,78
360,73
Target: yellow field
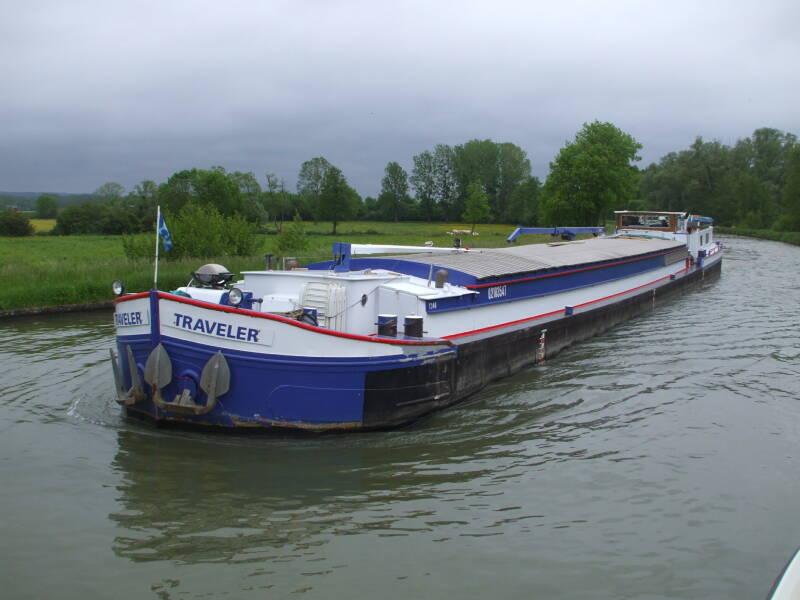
43,225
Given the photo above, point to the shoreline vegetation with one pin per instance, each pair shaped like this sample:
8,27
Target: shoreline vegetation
53,274
61,273
787,237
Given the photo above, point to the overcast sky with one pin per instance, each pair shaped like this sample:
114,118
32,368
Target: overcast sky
97,91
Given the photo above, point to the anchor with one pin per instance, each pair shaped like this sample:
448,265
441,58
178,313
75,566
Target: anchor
214,381
136,392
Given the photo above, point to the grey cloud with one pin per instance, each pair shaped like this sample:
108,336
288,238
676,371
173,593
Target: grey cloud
130,91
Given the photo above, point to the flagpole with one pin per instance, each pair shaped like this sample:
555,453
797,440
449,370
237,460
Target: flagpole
158,220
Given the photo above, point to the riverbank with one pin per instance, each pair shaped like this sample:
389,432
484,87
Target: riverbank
788,237
48,310
54,273
42,273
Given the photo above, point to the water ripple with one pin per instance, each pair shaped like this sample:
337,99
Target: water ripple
656,460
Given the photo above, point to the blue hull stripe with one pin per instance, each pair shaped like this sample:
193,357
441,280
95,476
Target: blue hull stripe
268,388
544,285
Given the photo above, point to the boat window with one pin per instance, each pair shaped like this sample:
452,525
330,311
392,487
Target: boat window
630,221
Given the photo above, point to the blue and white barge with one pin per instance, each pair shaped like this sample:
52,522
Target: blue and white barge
381,335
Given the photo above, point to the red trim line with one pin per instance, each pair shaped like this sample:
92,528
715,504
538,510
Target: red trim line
603,266
285,320
556,312
629,291
509,324
443,340
127,297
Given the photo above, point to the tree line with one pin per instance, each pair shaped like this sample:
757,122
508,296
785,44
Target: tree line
755,183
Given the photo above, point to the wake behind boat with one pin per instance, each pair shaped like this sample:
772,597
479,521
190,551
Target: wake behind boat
381,335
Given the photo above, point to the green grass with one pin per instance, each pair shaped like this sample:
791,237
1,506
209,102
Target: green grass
789,237
41,271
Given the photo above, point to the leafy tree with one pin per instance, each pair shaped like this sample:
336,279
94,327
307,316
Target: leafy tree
212,187
790,220
250,193
740,185
279,204
476,208
663,185
444,179
476,160
293,238
142,201
424,183
524,205
368,210
337,200
310,181
274,184
216,188
176,192
248,184
514,169
394,191
46,206
590,176
501,168
709,166
109,192
751,199
441,178
14,224
766,155
696,179
434,182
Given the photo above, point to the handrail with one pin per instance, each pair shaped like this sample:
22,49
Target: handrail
568,232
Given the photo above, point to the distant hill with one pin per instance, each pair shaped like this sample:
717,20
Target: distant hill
27,200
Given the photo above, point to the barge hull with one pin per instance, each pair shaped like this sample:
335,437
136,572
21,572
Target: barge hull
392,397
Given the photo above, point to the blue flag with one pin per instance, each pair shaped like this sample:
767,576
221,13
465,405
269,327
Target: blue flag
164,233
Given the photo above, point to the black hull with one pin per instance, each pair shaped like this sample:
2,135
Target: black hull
400,396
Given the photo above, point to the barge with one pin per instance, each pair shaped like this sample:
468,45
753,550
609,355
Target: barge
382,335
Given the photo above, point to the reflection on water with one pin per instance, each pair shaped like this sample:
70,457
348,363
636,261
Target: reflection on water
656,460
189,500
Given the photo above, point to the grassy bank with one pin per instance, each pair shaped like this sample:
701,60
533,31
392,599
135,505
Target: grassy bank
43,271
789,237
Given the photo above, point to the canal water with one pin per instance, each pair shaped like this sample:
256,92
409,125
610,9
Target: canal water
658,460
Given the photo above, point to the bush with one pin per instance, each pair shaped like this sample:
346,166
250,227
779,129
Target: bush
199,231
98,219
47,206
293,238
14,223
139,246
239,236
787,223
76,219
